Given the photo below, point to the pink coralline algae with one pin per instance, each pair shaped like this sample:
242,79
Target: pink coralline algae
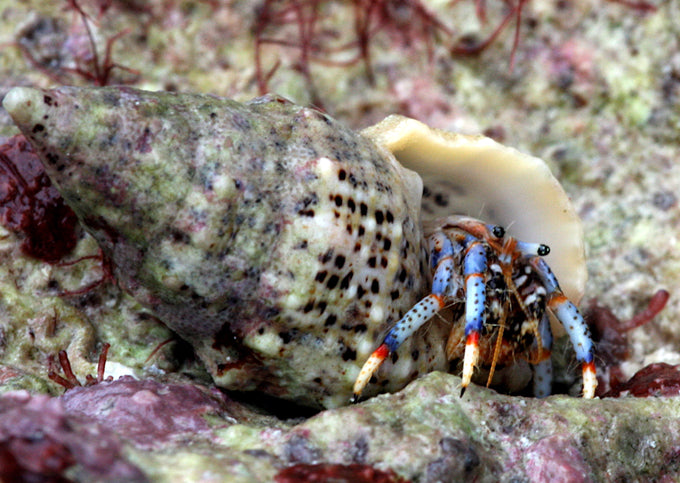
324,472
146,412
40,440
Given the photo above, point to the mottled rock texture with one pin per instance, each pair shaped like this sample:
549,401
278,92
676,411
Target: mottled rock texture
595,90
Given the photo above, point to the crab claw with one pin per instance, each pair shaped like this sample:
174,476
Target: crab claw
589,380
370,366
470,359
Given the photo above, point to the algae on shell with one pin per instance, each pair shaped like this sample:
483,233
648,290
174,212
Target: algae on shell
279,243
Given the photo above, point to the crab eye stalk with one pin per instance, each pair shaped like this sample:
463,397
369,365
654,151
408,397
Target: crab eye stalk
543,250
498,231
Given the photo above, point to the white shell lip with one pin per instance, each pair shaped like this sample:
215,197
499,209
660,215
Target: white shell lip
495,183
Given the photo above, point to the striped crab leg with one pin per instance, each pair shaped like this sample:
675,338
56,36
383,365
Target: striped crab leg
543,367
443,285
573,322
474,269
442,261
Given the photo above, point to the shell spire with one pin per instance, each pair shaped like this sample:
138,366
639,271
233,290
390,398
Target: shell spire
266,234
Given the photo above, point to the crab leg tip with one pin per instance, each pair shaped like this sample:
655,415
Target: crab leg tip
589,380
471,356
369,368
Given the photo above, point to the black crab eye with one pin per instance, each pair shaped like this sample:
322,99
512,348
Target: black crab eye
498,231
543,250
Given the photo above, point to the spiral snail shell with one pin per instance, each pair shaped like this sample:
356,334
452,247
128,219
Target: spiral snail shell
280,244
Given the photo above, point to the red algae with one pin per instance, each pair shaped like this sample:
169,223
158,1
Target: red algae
31,207
613,347
71,381
659,379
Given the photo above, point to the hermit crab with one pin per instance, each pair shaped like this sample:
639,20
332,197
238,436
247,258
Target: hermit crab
292,252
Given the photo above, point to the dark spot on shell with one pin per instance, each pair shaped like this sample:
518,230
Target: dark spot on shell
394,294
321,276
351,205
47,100
38,128
387,244
375,286
361,291
379,217
339,261
180,237
285,337
342,175
330,320
338,200
363,208
326,257
389,217
344,284
332,281
349,354
372,262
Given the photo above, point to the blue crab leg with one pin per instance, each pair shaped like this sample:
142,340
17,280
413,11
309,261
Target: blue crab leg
412,321
573,322
442,255
474,267
543,378
543,368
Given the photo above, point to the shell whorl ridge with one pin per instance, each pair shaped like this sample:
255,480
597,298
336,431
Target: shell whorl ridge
276,241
